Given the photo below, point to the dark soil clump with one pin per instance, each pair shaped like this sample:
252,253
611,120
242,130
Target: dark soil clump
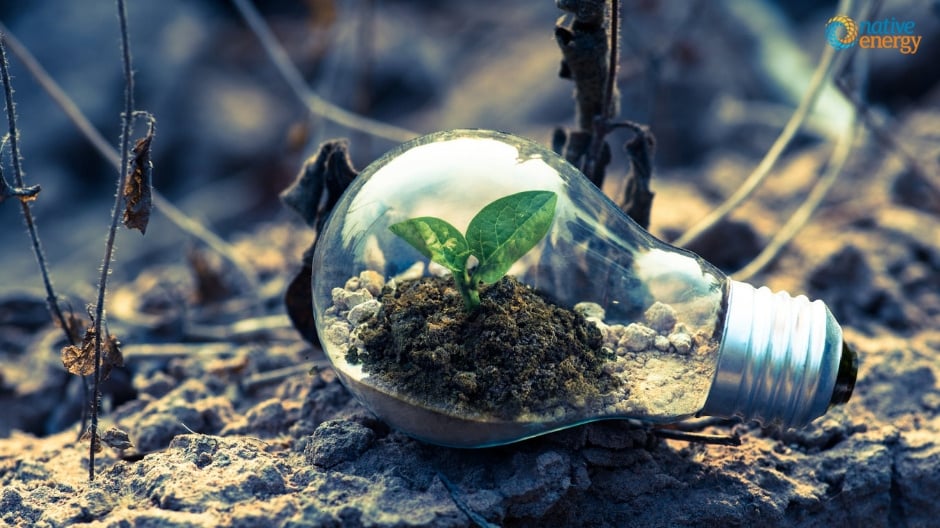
517,354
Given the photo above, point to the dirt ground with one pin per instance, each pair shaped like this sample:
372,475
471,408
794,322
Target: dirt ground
235,420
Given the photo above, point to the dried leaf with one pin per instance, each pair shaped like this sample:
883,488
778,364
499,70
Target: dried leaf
116,439
80,360
137,191
330,170
298,299
327,173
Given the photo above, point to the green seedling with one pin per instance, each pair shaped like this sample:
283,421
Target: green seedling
500,234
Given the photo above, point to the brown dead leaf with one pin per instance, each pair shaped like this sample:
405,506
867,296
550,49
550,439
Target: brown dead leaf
313,194
137,191
80,360
116,439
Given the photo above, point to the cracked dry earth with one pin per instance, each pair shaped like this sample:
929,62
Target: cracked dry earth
256,430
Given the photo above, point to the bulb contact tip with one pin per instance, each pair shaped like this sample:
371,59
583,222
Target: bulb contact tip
845,379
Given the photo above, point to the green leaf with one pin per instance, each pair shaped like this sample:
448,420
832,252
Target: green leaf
436,240
506,229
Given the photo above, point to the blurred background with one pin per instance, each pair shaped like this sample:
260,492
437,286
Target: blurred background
715,81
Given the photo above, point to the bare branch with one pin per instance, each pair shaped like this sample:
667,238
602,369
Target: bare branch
126,121
314,103
174,214
820,77
52,300
840,155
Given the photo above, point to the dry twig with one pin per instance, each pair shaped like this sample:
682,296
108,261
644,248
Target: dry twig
822,74
52,300
314,103
174,214
126,122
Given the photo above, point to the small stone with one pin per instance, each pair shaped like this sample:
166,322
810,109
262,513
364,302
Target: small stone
352,284
338,441
350,299
614,333
337,333
339,298
661,343
372,281
364,311
661,317
681,341
637,337
590,309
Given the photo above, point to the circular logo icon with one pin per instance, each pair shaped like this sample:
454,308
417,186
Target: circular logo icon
841,32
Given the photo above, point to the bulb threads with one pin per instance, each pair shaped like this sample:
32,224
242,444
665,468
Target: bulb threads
781,359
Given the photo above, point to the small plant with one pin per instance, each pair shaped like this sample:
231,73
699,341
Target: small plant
500,234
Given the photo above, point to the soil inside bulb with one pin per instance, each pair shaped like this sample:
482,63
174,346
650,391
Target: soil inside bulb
520,357
516,354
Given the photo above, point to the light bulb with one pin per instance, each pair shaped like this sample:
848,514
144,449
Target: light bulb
673,337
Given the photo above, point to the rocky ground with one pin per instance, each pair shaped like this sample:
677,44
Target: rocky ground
235,420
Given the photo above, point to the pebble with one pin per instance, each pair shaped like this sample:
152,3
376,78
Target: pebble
661,317
337,332
372,281
661,343
364,311
352,284
681,341
349,299
637,337
337,441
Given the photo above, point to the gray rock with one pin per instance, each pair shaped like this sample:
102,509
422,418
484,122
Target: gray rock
363,312
338,441
637,337
661,317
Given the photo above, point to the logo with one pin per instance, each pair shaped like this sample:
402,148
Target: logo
844,25
842,33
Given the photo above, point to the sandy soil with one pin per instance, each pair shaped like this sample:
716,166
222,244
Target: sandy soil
236,421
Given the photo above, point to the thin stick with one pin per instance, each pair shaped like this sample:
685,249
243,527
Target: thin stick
174,214
315,104
840,155
52,301
126,121
820,75
671,434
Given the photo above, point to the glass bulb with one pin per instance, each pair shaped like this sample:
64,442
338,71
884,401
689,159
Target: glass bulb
675,337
